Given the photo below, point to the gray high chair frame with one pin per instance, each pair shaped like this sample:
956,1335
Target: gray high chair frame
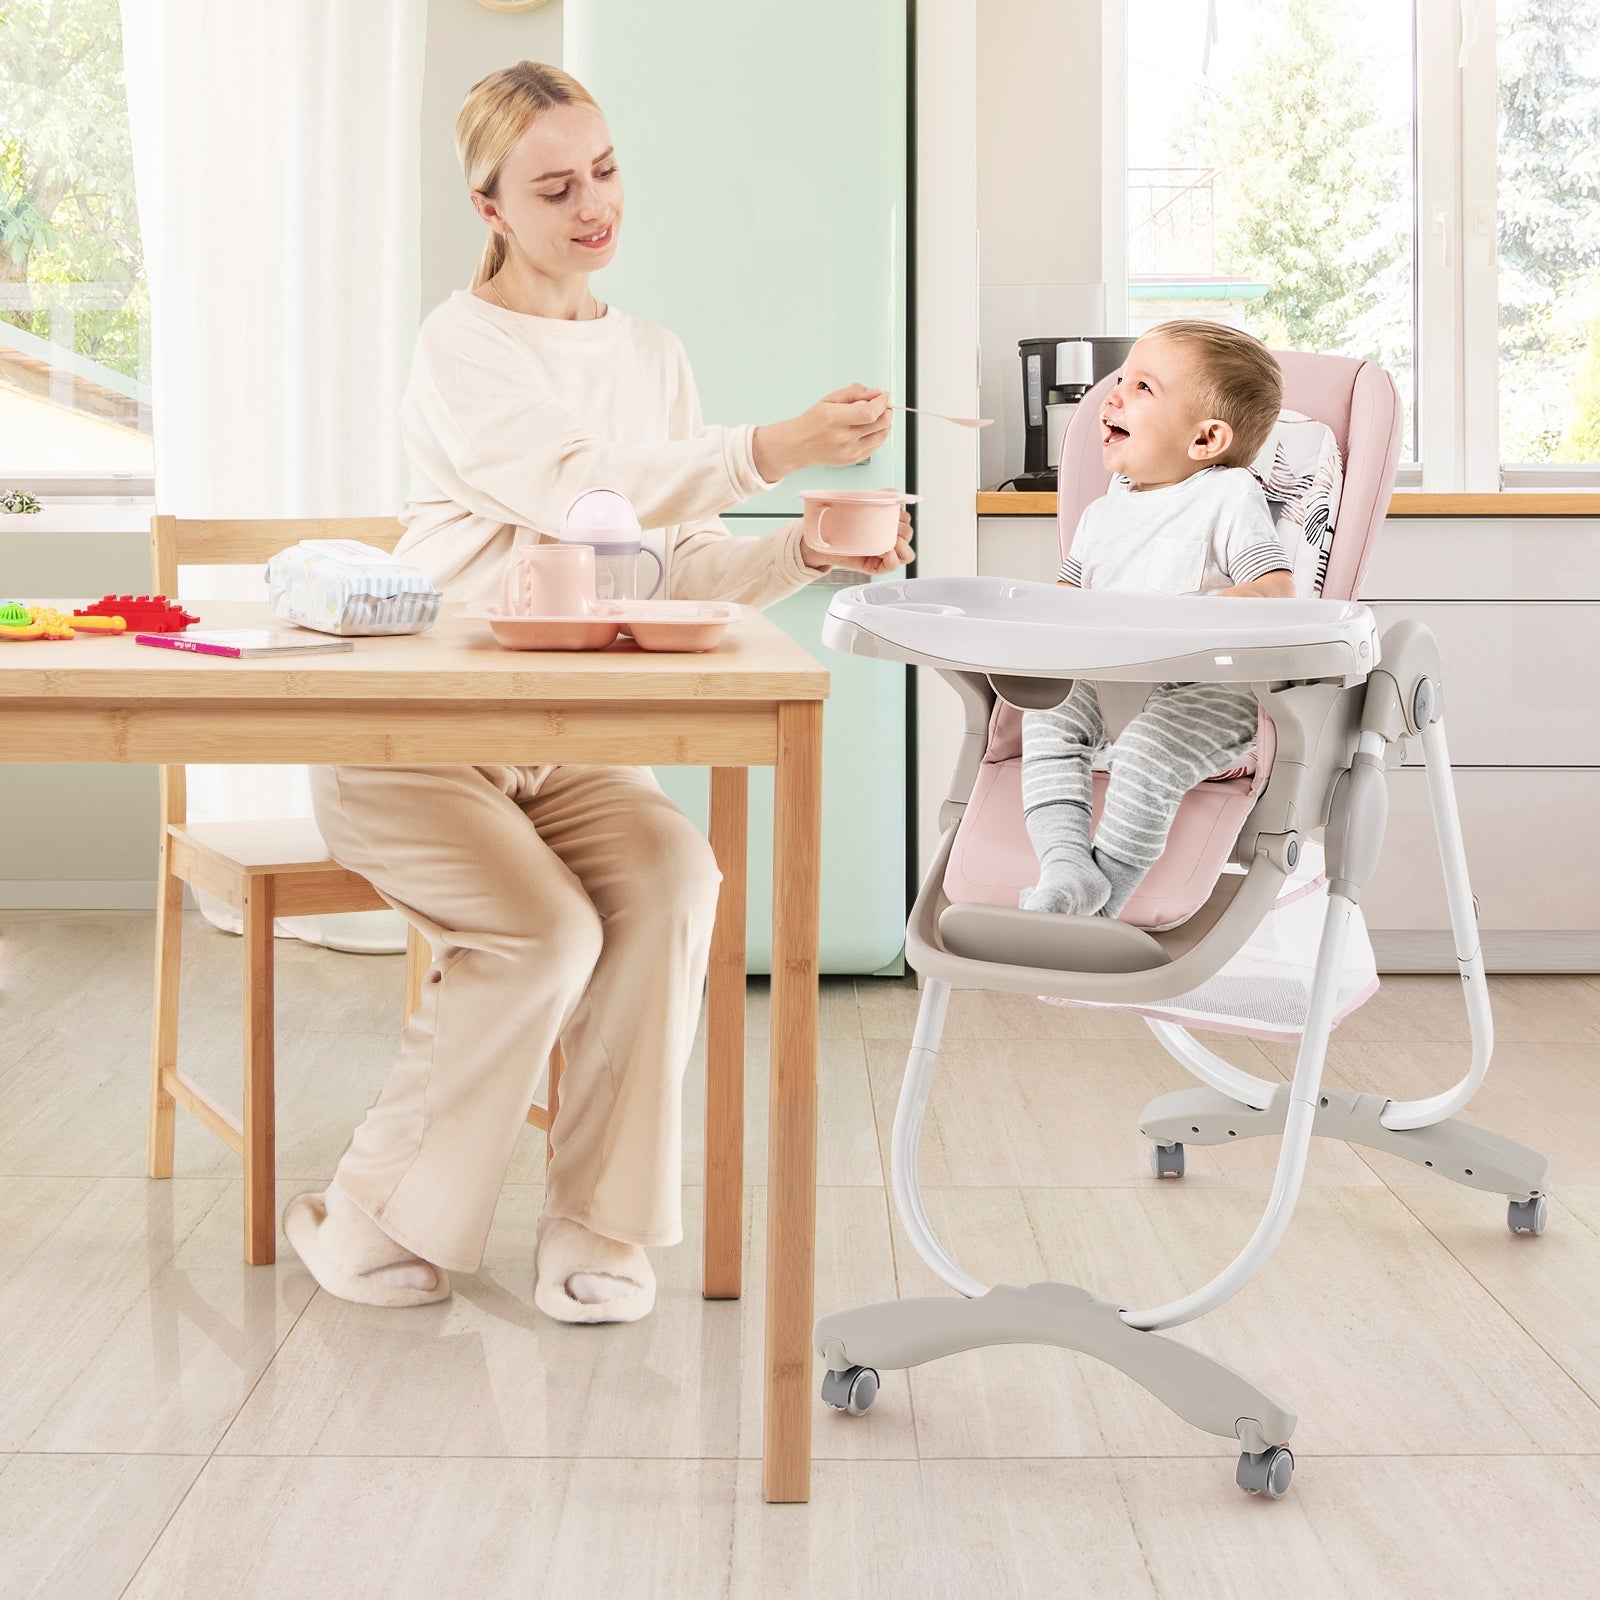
1335,719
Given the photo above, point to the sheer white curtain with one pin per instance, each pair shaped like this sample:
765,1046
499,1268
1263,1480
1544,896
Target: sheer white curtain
277,158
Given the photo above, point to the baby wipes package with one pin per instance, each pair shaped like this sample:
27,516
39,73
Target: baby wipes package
343,586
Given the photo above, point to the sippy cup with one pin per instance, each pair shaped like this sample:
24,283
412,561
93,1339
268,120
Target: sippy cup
603,520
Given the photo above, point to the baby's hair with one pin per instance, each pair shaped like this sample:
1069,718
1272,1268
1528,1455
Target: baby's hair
1241,382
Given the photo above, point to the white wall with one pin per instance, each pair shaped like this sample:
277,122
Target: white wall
1039,197
465,43
1010,246
947,334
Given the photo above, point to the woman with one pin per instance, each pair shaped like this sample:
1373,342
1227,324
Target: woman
568,902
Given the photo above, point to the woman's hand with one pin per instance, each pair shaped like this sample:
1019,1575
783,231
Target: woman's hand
890,561
840,430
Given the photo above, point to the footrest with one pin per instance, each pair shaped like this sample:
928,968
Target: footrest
1046,939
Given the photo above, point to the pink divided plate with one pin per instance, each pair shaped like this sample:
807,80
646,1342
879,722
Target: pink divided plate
675,624
549,633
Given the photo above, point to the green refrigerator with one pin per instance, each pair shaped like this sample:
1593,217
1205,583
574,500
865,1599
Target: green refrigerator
763,152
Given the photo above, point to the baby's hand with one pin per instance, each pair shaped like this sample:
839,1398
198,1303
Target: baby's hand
1271,586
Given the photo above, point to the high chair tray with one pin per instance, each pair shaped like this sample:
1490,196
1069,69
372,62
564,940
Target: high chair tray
1040,630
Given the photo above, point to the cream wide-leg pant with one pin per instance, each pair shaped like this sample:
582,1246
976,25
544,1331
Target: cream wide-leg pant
570,903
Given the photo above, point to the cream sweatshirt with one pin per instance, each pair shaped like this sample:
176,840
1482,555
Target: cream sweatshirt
507,417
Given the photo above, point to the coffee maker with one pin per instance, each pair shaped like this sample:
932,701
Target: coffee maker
1056,374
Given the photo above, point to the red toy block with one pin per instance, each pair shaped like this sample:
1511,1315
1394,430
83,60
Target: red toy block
148,613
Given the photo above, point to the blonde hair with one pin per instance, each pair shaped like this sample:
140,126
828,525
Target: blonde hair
497,111
1241,382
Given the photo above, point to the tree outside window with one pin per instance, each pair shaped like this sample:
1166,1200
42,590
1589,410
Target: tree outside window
1301,115
1299,122
1547,56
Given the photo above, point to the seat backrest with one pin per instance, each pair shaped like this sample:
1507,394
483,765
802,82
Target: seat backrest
205,542
1357,399
194,542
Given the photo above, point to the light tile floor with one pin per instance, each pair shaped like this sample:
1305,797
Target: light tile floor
174,1423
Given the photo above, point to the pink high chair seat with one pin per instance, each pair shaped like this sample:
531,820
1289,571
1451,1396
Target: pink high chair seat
992,860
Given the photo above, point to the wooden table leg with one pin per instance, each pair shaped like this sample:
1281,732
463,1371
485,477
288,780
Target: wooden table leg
260,1112
792,1129
725,990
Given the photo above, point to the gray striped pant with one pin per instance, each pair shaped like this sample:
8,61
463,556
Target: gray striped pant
1185,733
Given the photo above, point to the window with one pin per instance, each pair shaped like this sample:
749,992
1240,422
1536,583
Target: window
1270,174
1547,70
74,303
1418,184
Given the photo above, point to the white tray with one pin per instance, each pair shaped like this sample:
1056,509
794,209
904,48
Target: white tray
1001,625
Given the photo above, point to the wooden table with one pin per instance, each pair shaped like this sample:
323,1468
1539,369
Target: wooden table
452,695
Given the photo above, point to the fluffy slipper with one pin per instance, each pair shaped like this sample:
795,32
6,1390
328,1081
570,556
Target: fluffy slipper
579,1276
353,1258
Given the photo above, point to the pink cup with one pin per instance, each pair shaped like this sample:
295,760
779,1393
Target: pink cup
853,522
549,580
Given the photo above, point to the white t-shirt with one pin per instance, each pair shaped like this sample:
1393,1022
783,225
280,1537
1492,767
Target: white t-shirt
1208,532
507,417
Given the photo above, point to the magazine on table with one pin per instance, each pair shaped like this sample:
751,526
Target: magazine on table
245,644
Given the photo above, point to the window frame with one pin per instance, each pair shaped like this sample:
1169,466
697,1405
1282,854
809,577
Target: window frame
111,489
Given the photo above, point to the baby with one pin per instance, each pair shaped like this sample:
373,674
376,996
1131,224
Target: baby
1193,405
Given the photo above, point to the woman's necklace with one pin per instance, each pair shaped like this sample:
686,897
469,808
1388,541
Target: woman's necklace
595,308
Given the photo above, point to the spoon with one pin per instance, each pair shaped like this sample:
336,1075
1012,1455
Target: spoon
960,422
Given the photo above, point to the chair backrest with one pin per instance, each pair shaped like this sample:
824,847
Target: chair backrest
207,542
204,542
1356,399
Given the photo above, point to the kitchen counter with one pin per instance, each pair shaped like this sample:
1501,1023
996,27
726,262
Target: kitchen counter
1541,503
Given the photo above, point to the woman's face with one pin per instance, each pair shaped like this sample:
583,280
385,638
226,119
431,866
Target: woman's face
559,194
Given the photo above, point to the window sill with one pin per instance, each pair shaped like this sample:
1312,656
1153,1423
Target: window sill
82,517
1405,503
1507,503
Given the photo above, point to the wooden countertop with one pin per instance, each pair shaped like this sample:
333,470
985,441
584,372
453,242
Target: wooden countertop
1544,503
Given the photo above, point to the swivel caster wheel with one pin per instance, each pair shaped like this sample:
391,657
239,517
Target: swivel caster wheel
1166,1160
1528,1216
852,1390
1267,1473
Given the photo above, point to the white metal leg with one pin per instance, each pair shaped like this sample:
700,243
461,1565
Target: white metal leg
1301,1114
1296,1138
1304,1090
907,1133
1469,953
1211,1069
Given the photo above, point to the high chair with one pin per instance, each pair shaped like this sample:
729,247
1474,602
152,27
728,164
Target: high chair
1335,698
262,870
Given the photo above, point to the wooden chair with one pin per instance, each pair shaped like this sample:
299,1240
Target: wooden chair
263,870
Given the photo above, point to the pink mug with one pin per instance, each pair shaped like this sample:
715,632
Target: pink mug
549,580
853,522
